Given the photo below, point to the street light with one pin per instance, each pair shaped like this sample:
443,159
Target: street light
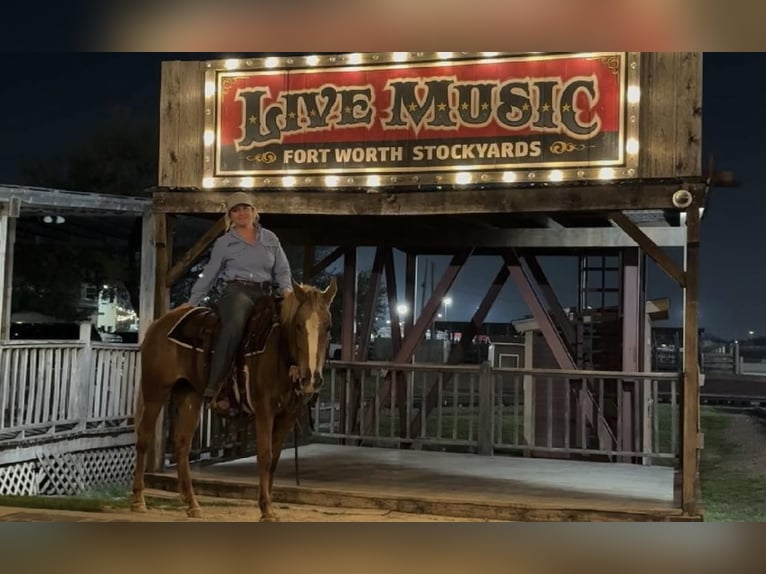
447,301
402,309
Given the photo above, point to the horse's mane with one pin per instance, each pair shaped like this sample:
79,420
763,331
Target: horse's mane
290,303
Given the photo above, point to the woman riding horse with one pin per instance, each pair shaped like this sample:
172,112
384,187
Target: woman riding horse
250,259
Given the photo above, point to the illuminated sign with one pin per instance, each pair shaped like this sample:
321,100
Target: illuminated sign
363,120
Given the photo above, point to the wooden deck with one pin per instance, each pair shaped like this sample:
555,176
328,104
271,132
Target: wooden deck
462,485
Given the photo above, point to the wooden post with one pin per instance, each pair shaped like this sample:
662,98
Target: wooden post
528,386
486,422
9,211
348,330
155,459
148,273
691,391
84,391
632,306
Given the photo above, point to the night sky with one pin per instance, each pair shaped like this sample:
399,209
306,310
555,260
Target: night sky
52,101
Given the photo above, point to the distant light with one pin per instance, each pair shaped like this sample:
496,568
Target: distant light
402,309
48,219
447,301
60,219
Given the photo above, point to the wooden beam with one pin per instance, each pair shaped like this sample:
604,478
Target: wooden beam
633,316
691,392
155,456
349,305
36,199
195,251
547,328
554,306
585,198
650,247
7,243
326,261
148,273
416,236
393,301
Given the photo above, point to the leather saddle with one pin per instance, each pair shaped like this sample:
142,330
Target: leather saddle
199,328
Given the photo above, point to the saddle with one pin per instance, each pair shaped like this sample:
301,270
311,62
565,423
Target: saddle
198,329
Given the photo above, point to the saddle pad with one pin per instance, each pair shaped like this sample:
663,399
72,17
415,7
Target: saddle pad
194,327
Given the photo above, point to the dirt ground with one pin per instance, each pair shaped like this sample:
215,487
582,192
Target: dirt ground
220,510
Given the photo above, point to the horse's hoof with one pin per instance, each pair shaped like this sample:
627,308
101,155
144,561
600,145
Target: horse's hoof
138,507
195,512
269,518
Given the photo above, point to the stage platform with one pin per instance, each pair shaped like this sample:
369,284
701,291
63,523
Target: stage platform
451,484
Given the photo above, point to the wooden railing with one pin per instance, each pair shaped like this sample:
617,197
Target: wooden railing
55,387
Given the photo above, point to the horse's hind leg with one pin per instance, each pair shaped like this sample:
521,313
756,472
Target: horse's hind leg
147,419
188,403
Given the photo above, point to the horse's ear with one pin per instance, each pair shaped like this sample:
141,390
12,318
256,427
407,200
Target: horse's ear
300,294
331,290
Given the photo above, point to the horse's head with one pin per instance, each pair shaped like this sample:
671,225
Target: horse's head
306,318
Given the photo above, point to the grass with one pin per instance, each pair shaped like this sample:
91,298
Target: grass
728,494
97,501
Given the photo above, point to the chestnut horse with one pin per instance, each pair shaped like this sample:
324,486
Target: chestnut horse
282,378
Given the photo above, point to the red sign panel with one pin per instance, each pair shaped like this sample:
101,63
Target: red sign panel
420,121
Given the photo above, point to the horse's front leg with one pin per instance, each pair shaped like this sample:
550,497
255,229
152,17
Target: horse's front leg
282,426
264,425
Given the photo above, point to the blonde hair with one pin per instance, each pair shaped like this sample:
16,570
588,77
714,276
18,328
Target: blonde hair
230,223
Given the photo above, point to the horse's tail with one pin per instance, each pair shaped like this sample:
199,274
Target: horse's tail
139,409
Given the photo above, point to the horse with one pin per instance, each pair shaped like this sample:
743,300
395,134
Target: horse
281,379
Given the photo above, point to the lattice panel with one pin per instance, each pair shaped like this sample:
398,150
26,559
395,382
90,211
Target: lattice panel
19,479
83,471
69,473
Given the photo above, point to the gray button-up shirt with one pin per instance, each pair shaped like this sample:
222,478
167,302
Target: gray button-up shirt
234,258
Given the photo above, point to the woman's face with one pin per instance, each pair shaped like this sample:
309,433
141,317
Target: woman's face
241,215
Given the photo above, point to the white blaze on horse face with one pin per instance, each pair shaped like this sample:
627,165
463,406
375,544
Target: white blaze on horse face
312,330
